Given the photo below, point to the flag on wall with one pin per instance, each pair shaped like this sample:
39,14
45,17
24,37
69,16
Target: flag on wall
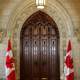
10,65
68,64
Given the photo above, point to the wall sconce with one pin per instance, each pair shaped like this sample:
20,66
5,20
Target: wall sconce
40,4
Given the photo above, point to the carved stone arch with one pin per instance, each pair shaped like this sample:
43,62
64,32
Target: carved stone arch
57,12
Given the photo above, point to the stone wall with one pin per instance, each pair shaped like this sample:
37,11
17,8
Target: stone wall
66,14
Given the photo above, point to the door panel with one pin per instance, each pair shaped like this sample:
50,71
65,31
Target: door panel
35,57
40,58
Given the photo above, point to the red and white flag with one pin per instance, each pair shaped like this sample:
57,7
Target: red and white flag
68,68
10,65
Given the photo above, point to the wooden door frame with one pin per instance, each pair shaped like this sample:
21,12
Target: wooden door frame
31,20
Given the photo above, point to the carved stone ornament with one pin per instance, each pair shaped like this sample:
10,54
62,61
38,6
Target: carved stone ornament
2,34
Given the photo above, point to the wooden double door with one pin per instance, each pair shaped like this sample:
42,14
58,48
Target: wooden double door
40,58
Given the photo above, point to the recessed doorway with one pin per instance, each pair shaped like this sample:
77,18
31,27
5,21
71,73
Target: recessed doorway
39,58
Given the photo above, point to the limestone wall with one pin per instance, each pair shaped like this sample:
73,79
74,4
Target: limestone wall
66,14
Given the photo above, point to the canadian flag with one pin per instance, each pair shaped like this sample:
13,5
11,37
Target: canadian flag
10,66
68,64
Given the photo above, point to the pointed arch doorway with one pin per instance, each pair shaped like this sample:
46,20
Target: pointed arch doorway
39,59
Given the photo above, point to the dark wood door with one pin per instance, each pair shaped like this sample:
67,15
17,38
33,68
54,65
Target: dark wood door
40,58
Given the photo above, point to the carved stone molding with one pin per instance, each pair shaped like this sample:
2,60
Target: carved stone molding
53,9
3,34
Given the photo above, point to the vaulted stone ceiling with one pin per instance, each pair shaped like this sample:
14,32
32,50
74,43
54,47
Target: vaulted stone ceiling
72,6
75,4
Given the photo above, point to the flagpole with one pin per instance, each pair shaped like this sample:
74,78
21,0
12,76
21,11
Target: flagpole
9,35
69,72
10,62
